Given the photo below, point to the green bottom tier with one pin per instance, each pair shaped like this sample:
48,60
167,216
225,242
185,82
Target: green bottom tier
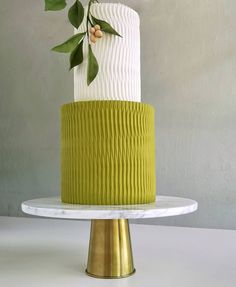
107,153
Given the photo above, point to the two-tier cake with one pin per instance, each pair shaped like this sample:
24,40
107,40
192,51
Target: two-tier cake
107,134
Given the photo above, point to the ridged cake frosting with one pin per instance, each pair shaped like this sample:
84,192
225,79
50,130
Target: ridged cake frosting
118,57
107,153
107,134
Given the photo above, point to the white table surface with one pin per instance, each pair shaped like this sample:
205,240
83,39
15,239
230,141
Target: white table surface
36,252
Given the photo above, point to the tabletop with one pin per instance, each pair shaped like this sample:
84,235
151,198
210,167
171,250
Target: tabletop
40,252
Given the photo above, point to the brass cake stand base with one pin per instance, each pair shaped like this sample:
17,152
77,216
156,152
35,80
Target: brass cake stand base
110,252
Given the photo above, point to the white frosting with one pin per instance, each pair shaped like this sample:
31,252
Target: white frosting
118,58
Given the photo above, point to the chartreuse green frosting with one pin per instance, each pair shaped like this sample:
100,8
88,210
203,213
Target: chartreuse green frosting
107,153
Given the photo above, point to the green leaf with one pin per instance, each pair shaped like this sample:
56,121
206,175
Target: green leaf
70,44
92,66
76,57
76,14
106,27
54,5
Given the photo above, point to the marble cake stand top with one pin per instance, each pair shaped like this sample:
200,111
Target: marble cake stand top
162,207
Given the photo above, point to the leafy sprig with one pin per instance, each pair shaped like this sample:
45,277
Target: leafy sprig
74,45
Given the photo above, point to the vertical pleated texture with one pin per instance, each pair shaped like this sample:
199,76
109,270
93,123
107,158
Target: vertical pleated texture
107,153
118,57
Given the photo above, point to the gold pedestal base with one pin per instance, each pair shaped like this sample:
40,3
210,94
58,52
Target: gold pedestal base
110,253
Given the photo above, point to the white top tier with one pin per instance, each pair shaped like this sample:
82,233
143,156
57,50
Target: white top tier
118,58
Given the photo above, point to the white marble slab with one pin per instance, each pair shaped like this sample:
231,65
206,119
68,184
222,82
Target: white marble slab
164,206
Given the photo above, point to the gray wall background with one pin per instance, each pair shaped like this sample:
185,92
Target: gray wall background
188,74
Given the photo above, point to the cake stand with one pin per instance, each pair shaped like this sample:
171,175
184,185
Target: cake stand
110,252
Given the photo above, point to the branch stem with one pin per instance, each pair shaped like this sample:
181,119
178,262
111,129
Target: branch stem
88,20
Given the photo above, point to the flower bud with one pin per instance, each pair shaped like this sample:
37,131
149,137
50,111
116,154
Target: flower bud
93,39
98,34
97,27
92,30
